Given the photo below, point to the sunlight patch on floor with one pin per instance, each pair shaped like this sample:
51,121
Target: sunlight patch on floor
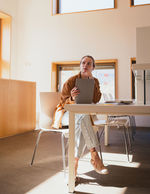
57,184
54,184
94,188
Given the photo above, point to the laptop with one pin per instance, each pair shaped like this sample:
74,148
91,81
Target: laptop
86,87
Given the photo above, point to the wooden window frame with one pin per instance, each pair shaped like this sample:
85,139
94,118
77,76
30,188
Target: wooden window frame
54,73
132,4
56,11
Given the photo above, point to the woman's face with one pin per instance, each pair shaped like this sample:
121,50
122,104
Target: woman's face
86,65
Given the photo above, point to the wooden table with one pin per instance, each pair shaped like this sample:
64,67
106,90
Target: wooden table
105,109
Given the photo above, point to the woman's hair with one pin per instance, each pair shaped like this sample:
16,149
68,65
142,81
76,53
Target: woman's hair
90,58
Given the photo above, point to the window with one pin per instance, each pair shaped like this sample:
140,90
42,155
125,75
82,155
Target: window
105,72
140,2
5,26
69,6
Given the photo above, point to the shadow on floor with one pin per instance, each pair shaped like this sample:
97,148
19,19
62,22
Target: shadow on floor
120,177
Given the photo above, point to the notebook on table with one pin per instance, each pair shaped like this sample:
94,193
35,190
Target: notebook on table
86,88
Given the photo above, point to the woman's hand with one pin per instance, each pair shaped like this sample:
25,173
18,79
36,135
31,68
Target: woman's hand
74,93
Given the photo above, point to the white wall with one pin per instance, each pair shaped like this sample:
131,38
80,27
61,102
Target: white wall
10,7
107,34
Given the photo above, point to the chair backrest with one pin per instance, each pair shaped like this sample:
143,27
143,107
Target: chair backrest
48,103
105,97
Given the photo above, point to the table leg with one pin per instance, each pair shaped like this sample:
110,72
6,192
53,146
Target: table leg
106,133
71,160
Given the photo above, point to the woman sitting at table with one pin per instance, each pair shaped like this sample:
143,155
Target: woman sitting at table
84,133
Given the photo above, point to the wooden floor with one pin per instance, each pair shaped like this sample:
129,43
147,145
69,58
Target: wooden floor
46,175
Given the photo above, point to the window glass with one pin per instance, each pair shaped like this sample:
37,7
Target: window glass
67,6
105,75
5,36
141,2
106,79
64,73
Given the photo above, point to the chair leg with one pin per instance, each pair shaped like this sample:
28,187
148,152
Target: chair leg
36,145
126,145
133,127
63,154
129,139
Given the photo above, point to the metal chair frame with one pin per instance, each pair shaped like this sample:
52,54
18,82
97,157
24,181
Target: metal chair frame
116,123
64,132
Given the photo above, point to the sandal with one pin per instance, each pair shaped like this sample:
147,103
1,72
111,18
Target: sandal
97,163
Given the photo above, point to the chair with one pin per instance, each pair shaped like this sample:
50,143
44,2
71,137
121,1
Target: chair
48,103
114,122
130,119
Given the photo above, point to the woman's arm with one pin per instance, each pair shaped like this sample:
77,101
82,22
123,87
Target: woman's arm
66,93
69,91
